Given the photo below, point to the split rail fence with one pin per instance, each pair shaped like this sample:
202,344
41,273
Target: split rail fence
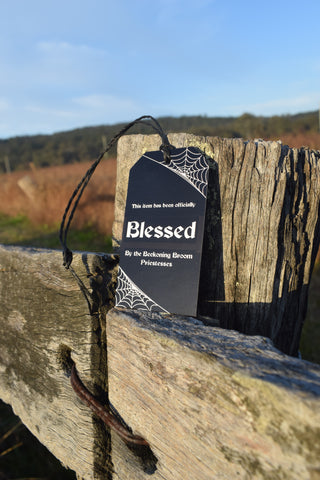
220,396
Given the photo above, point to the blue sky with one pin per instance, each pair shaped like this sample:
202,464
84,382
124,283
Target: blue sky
68,64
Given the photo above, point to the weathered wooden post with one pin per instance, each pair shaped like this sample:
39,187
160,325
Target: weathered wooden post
42,311
211,403
262,232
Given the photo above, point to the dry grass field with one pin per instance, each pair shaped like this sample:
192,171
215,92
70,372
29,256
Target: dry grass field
42,194
301,139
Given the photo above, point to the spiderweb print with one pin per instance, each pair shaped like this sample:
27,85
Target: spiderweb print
128,295
192,166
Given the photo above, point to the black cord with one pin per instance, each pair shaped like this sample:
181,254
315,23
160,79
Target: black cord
77,194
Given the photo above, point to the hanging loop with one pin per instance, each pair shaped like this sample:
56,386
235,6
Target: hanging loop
166,147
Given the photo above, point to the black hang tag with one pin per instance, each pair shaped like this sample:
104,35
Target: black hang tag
161,248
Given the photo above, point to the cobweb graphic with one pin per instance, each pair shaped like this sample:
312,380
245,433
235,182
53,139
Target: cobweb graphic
192,166
128,295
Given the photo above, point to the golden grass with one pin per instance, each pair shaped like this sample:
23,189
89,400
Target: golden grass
42,195
299,139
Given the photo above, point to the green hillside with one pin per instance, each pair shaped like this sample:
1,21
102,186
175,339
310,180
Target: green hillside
86,143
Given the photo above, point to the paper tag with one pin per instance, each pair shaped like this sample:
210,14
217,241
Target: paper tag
161,248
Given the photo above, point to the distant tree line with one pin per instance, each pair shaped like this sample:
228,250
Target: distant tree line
86,143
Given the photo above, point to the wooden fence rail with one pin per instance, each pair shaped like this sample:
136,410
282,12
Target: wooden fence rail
212,403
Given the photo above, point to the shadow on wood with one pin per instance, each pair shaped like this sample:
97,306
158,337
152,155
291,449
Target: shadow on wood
261,232
292,239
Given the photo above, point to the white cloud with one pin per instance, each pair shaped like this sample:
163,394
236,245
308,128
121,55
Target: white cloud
66,66
67,48
49,111
36,116
304,102
105,108
4,105
109,103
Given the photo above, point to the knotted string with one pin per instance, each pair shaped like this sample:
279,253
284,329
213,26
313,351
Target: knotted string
77,194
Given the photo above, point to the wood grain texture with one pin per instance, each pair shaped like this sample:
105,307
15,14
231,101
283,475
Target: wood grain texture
42,308
214,404
211,402
262,231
